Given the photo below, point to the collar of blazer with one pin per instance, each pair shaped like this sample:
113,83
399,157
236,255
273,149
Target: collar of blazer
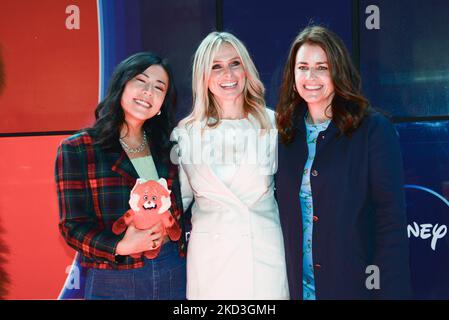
298,120
125,168
243,174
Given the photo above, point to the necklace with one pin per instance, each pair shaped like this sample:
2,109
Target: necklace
140,148
309,120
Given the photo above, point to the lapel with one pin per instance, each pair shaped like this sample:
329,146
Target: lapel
330,134
210,177
161,167
293,161
300,127
125,168
300,144
295,154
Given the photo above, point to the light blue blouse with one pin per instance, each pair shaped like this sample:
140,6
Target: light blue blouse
305,196
145,167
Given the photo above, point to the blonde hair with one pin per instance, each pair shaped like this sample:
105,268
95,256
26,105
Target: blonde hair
205,106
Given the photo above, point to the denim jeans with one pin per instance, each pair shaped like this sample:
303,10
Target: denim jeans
162,278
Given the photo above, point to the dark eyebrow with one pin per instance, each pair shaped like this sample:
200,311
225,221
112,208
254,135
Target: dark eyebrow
156,80
301,62
235,58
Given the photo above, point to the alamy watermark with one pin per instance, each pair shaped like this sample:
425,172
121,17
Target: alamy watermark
73,278
373,279
72,21
372,22
228,147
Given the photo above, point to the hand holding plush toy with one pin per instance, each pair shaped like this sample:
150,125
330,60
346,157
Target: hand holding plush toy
149,202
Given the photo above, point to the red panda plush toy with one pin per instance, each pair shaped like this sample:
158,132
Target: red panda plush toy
150,204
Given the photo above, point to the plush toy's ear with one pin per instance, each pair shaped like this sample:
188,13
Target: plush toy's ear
134,197
138,181
134,201
166,204
163,182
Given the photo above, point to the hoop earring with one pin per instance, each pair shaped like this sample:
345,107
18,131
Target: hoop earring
158,113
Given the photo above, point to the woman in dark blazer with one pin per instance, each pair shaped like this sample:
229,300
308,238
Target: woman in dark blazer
339,180
95,172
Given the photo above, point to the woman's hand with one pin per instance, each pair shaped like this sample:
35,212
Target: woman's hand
136,241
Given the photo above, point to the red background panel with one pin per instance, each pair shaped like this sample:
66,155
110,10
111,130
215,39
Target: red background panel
51,74
38,254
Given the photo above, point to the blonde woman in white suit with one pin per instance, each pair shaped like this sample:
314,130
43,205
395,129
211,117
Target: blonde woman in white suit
226,149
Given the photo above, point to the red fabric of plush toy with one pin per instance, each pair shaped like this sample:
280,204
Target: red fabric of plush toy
150,204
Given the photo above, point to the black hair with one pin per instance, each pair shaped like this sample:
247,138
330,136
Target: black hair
109,115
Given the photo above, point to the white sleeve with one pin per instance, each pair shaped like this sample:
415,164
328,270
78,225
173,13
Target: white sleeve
186,189
271,116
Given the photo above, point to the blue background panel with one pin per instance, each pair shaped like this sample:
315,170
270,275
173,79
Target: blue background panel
130,26
268,28
425,150
405,63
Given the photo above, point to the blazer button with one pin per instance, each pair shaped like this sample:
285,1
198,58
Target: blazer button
314,173
315,218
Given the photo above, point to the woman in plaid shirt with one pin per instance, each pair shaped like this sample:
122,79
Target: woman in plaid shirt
95,172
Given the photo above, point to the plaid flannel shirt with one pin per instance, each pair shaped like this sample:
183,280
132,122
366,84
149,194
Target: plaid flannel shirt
93,187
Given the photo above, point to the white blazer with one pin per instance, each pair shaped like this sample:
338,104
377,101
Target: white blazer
236,248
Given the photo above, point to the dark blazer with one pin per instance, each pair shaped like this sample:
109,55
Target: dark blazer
93,188
359,209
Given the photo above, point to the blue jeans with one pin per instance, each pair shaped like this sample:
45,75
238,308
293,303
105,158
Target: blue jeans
162,278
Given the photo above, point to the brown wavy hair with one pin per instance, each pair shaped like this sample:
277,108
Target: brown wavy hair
349,106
